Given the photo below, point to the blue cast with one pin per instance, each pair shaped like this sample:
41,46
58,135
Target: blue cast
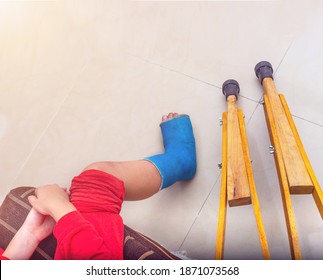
178,162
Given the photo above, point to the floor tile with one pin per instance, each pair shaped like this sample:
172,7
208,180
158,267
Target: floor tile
89,80
40,61
217,40
301,70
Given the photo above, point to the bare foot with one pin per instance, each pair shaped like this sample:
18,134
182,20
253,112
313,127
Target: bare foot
169,116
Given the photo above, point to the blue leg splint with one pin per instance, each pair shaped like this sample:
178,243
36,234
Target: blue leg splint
178,162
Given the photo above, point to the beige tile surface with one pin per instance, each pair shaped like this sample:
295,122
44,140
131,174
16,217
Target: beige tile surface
83,81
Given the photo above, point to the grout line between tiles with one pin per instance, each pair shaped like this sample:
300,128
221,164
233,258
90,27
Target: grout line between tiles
175,71
281,61
41,136
46,128
198,214
311,122
254,111
188,232
250,99
207,197
188,76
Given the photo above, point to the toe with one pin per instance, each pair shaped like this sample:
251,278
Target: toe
164,118
169,116
172,115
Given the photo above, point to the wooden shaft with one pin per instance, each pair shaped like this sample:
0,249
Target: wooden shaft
254,196
220,236
283,182
298,177
317,192
238,191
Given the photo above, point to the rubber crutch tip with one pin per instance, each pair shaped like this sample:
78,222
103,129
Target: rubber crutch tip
264,69
231,87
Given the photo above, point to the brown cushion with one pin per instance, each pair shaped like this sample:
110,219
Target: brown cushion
140,247
15,208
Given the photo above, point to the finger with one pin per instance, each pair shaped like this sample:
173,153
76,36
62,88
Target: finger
37,205
36,191
31,199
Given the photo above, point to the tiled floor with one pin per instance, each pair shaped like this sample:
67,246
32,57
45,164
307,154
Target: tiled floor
82,81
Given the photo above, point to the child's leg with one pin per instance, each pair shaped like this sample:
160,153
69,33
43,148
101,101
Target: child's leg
141,178
144,178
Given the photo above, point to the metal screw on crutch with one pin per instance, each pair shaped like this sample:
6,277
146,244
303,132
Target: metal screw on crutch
271,149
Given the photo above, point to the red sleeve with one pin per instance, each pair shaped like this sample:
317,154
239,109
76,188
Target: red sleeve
77,239
1,256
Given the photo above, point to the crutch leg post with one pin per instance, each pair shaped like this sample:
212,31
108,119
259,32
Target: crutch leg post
237,186
294,170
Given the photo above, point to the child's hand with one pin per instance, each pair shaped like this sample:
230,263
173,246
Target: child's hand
51,200
35,228
38,225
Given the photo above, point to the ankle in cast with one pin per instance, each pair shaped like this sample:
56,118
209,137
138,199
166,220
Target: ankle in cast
178,162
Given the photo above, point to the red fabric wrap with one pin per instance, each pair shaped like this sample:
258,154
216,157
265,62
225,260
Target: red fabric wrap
1,256
99,196
97,191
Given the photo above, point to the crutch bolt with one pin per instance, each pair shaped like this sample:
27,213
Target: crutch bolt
231,87
271,149
263,70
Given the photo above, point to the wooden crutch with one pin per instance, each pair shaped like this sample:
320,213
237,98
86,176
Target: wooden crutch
294,170
237,182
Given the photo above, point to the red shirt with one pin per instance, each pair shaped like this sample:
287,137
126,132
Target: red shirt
78,239
96,230
2,257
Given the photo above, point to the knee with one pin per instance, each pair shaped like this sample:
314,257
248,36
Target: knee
105,166
94,165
